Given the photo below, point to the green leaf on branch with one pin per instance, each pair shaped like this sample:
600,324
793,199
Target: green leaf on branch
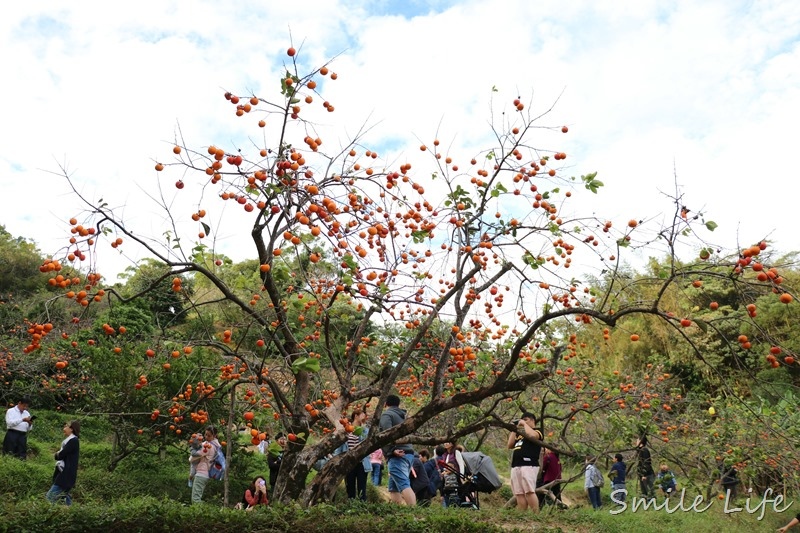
274,449
419,236
306,364
498,188
711,225
591,183
350,262
531,260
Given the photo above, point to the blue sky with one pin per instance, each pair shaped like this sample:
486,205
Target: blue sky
708,90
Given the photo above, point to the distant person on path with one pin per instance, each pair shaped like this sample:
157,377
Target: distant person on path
644,469
18,423
376,459
592,481
398,457
66,471
526,443
617,474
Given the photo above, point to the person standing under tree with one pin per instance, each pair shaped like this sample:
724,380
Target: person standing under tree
526,443
644,468
204,461
551,471
66,471
593,480
617,475
398,457
274,460
356,480
376,459
18,423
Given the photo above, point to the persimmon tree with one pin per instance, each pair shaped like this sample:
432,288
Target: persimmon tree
461,287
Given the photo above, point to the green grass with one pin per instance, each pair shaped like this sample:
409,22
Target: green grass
148,493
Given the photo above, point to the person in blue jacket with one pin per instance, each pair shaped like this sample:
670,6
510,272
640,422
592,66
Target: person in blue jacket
432,470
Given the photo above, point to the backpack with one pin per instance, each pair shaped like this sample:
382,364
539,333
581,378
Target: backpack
597,478
218,466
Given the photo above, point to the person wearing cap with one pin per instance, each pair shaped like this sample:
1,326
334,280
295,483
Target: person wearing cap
66,471
18,423
526,443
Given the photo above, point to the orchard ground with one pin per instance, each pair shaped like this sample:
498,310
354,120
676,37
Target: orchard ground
149,493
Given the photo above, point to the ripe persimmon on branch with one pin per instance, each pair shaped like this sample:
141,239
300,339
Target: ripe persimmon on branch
451,287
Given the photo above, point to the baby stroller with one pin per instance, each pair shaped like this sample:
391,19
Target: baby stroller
480,476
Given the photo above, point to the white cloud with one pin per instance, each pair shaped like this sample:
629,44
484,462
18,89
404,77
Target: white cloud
710,88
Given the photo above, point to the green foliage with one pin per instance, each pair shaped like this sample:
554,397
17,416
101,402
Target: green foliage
154,282
19,266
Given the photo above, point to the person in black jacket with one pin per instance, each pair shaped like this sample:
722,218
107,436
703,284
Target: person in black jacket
274,460
431,468
644,468
66,471
420,482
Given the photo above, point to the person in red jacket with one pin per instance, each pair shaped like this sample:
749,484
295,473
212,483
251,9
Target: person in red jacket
256,494
551,471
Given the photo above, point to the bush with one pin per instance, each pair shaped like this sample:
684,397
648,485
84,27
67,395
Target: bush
150,514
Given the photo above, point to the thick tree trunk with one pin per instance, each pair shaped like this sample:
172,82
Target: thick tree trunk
295,467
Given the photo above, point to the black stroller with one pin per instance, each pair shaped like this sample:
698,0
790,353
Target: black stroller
480,476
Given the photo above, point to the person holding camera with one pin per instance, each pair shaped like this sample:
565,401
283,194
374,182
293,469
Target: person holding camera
526,443
256,494
18,423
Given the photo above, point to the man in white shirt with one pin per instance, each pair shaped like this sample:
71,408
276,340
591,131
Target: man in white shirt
18,422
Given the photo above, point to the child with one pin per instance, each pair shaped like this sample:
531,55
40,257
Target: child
450,484
195,447
666,480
